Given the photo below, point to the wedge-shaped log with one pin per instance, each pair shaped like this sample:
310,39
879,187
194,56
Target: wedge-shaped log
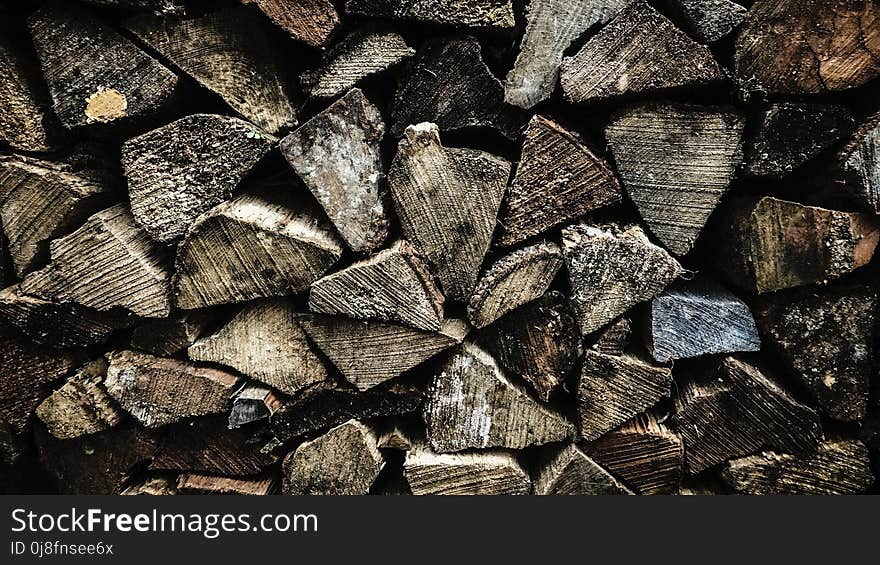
309,21
392,286
614,339
836,467
464,13
108,263
251,247
736,410
82,405
166,336
612,268
371,353
640,52
27,122
856,169
211,484
265,342
159,391
447,200
471,404
569,471
676,162
182,170
254,403
480,473
337,155
711,20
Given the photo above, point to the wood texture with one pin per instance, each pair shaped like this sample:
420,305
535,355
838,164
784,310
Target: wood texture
210,484
711,20
856,170
569,471
614,339
254,403
310,21
27,122
480,473
166,336
464,13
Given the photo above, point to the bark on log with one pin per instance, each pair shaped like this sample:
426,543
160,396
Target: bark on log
82,406
460,13
569,471
27,122
196,483
480,473
711,20
254,403
310,21
167,336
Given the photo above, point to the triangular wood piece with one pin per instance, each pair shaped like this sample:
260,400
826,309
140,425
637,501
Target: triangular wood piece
474,473
471,404
611,269
614,339
27,122
712,20
463,13
371,353
309,21
183,169
166,336
676,162
251,247
337,154
109,262
447,200
640,52
253,403
569,471
392,286
857,170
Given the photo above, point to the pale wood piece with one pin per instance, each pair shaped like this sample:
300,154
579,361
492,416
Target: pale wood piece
310,21
27,122
166,336
211,484
569,471
462,13
151,486
712,20
253,403
477,473
857,170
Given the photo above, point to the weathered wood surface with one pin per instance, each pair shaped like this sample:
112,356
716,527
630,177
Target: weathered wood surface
371,353
254,403
612,268
615,338
856,170
447,200
337,155
149,485
736,409
464,13
82,405
27,122
310,21
676,163
471,404
251,247
711,20
473,473
108,263
343,462
166,336
211,484
569,471
640,52
392,286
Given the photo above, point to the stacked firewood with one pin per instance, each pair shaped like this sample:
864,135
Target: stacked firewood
439,247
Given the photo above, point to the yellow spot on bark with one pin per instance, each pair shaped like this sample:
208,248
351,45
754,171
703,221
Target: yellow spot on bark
106,105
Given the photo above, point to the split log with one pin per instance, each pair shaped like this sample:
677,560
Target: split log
392,286
229,52
309,21
699,318
400,435
463,13
211,484
183,169
676,162
614,339
640,52
159,391
337,155
27,122
796,47
357,57
644,453
452,87
514,280
165,7
558,179
837,467
264,341
471,404
539,343
254,403
612,268
551,27
447,200
773,244
855,173
711,20
167,336
95,75
251,247
827,337
151,486
480,473
343,462
371,353
614,389
736,410
569,471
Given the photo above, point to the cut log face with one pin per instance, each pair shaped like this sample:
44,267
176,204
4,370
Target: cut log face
614,389
558,179
309,21
480,473
251,247
181,170
471,404
109,262
836,467
95,75
337,154
611,269
699,318
447,200
159,391
737,413
210,484
462,13
639,52
358,56
796,47
371,353
265,342
676,162
644,453
27,122
229,53
712,20
539,343
569,471
167,336
343,462
858,166
615,338
392,286
827,337
551,27
254,403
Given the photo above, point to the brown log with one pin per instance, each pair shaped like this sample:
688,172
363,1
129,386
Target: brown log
82,405
614,339
473,473
254,403
27,122
197,483
309,21
854,174
166,336
569,471
461,13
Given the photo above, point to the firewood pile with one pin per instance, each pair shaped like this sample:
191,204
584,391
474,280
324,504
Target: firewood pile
439,247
